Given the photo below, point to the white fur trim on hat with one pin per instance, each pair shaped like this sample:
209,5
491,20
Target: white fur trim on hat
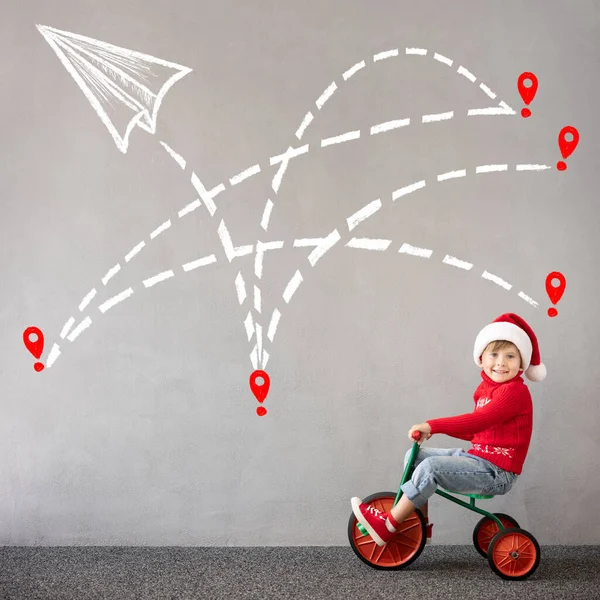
502,330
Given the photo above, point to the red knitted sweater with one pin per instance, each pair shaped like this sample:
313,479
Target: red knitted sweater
499,428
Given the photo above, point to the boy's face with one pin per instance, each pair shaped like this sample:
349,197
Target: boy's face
501,365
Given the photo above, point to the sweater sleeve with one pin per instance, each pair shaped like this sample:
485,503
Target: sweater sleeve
463,436
506,404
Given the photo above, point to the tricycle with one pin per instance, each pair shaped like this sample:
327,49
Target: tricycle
512,552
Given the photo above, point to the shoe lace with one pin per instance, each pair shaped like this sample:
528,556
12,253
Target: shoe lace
376,512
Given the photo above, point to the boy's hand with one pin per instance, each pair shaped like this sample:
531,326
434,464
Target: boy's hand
423,429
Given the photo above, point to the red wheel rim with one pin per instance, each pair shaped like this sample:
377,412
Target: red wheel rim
489,529
514,554
401,548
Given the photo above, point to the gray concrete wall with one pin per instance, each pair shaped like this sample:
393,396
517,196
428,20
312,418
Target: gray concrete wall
143,430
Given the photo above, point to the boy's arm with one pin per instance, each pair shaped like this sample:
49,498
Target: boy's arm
464,436
503,407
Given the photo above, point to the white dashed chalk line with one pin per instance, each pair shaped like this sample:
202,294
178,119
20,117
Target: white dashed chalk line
321,247
382,245
176,157
208,196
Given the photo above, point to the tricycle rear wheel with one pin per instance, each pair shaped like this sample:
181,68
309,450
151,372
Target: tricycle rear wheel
486,529
514,554
403,549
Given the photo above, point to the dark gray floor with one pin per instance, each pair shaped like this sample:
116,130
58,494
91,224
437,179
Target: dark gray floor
444,572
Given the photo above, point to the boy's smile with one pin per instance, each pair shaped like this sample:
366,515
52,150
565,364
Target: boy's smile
502,364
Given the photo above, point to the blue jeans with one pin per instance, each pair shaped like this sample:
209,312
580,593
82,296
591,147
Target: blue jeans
454,470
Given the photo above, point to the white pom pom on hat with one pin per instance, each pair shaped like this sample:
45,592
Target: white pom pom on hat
513,328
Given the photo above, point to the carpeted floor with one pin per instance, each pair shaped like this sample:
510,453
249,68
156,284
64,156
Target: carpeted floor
441,572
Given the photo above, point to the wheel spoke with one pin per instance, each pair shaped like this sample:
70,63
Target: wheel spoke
378,552
396,559
401,542
366,541
525,545
409,527
504,560
371,552
380,505
486,538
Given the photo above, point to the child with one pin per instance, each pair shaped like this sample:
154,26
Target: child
499,430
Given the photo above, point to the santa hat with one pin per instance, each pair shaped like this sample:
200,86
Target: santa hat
514,329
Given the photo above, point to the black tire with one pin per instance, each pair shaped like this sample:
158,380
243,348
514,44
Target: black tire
514,554
402,550
486,529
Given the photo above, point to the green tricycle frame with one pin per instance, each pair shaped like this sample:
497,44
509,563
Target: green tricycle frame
512,552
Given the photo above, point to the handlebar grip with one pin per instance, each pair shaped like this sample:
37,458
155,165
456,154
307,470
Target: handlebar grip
416,435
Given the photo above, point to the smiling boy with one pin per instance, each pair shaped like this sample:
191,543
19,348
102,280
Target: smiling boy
499,429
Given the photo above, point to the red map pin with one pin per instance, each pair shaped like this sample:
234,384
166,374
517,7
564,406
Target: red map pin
555,292
260,390
527,93
567,147
35,345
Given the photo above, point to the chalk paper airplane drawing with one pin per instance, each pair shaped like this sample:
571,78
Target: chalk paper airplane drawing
125,87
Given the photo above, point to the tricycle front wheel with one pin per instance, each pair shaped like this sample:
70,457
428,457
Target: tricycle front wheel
403,549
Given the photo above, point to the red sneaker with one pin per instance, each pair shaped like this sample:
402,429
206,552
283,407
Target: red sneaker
373,520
